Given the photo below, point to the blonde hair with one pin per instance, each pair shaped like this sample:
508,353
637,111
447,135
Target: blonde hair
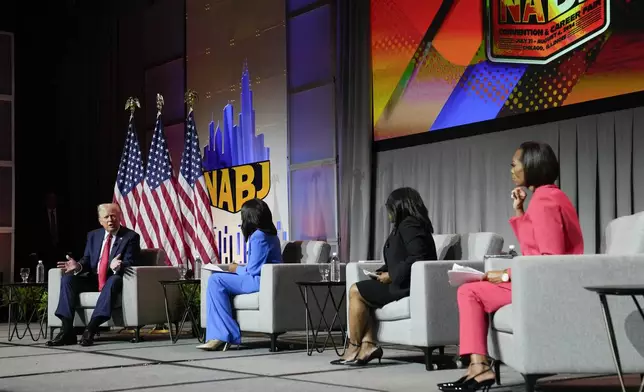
105,206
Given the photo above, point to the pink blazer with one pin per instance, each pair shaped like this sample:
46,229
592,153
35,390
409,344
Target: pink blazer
550,226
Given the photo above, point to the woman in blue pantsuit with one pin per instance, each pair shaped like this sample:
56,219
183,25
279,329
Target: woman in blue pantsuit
263,247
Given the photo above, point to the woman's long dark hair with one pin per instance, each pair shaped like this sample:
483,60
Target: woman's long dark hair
405,202
256,215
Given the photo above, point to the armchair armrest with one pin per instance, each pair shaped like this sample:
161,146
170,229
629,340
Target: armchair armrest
355,274
142,298
54,277
558,325
433,306
280,301
498,263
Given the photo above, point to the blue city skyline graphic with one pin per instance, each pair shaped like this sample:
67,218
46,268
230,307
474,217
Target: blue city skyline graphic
236,144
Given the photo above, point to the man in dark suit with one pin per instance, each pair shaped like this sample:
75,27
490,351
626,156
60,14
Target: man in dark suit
51,233
108,252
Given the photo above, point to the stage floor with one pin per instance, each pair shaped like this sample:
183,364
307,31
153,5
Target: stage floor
115,364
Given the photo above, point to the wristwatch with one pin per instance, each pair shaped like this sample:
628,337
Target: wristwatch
505,277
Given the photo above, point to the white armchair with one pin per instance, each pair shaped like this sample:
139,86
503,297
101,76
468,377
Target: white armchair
555,326
428,318
141,303
277,307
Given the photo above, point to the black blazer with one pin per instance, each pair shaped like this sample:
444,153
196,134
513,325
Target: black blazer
407,243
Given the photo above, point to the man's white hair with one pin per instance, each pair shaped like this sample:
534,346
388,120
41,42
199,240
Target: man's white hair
105,206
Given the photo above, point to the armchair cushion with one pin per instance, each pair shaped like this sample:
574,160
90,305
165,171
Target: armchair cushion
305,252
624,235
246,301
502,319
88,300
398,310
447,246
475,246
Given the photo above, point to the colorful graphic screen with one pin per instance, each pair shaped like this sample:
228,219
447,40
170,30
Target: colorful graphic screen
439,64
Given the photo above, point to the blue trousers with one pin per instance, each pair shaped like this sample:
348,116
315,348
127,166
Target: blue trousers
222,286
72,285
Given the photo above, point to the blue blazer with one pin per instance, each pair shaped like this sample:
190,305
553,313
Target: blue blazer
262,248
126,243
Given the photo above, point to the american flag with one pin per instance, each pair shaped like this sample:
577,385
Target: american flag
129,179
159,221
198,229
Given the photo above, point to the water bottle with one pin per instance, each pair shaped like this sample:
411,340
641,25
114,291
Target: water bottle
512,252
335,268
40,272
197,269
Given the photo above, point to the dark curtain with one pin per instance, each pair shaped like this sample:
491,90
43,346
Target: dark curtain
70,122
355,135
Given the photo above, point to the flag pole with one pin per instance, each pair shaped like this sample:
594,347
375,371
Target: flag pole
131,104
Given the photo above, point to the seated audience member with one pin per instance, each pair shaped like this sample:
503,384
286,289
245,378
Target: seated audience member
108,252
263,247
410,241
549,227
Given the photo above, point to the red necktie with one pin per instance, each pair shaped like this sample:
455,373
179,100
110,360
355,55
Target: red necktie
104,263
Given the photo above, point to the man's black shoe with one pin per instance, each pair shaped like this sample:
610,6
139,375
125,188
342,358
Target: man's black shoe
63,339
87,339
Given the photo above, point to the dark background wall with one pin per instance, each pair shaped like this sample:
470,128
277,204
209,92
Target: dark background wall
76,63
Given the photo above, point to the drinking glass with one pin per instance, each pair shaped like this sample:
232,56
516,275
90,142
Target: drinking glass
325,269
182,271
24,274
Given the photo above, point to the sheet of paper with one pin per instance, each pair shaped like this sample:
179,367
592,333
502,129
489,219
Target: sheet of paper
370,274
213,267
459,275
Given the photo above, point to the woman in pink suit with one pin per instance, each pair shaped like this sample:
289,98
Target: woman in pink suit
549,227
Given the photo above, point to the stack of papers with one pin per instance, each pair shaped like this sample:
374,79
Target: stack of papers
459,275
212,267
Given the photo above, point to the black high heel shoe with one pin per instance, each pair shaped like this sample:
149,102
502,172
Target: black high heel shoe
470,385
451,384
376,354
341,361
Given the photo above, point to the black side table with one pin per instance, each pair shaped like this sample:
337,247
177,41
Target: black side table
189,290
625,290
304,291
30,299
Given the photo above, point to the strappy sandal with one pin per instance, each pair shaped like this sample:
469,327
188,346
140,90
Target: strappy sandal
341,361
376,354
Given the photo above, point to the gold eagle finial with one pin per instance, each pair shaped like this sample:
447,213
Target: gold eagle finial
190,98
160,103
132,104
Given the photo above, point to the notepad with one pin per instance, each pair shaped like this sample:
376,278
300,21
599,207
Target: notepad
370,274
213,267
459,275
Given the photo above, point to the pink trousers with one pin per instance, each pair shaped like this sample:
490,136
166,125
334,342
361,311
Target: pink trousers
475,301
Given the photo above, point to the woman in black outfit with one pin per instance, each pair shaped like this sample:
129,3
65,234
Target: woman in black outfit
410,241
